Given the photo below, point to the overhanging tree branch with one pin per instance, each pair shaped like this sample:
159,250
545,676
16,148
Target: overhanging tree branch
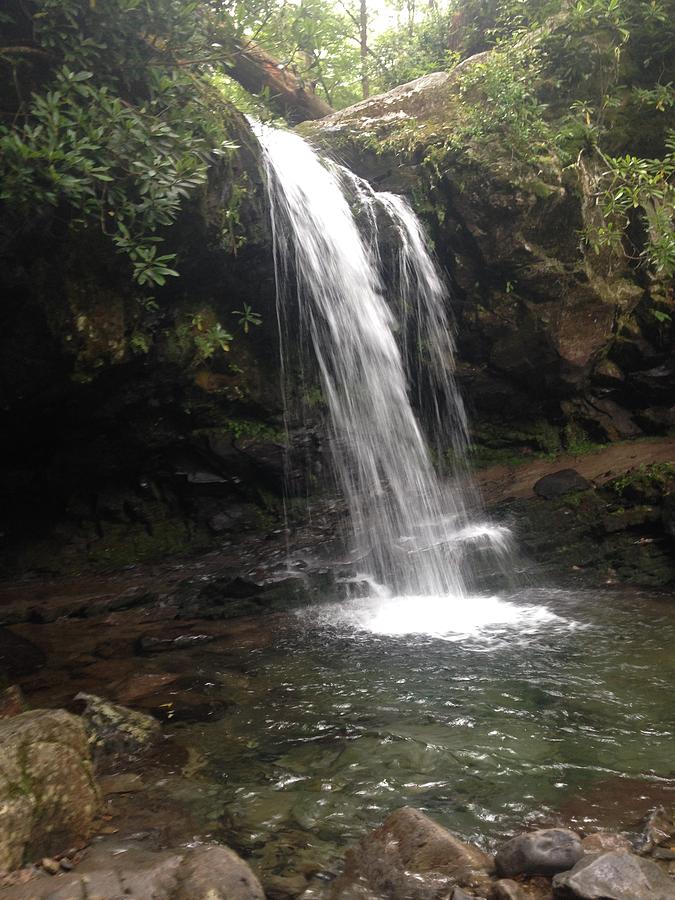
258,71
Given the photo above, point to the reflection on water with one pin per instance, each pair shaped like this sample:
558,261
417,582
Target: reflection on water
482,714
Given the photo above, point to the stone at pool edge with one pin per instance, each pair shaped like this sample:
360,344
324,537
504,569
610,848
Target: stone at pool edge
602,841
615,875
505,889
543,852
411,857
557,484
659,830
48,795
116,733
125,869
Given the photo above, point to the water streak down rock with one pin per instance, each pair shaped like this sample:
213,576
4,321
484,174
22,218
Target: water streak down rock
410,531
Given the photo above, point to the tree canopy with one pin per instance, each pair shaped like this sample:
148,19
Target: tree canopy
112,112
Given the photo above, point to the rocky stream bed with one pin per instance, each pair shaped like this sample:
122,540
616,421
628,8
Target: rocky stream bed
238,699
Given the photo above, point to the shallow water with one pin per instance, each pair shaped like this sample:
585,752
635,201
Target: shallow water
494,713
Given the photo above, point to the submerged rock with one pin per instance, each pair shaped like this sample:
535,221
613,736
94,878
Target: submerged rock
542,852
616,875
559,483
115,732
411,857
154,644
48,796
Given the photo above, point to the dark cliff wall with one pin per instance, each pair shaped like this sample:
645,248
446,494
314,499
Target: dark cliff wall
128,431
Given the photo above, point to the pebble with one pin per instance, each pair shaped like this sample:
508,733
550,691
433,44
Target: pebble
50,865
66,865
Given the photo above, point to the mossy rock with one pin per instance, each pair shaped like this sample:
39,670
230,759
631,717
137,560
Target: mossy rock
48,796
116,734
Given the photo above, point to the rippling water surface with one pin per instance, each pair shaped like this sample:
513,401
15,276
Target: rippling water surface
485,714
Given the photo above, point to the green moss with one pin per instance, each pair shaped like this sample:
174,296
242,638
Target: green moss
124,543
513,444
574,500
659,476
313,397
539,188
576,440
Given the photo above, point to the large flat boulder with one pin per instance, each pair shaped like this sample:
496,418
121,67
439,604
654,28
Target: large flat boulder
114,870
48,796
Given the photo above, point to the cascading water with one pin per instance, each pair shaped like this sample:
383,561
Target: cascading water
410,529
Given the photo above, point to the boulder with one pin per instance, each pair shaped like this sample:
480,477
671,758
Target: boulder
411,857
115,732
605,840
659,829
615,875
566,481
113,870
216,873
542,852
48,796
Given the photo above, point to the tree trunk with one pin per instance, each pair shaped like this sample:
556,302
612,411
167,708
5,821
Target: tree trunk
258,72
363,26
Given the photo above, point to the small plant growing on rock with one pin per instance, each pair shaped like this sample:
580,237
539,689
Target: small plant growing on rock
248,317
209,338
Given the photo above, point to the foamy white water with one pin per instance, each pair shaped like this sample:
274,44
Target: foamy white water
409,528
489,619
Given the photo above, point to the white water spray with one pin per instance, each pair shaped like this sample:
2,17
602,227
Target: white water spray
411,531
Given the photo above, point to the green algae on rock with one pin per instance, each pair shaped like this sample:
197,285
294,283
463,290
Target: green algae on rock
49,796
116,733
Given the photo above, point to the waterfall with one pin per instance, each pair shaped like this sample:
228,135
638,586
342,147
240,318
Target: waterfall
371,340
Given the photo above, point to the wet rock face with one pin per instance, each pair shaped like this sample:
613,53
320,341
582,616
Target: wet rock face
616,875
411,857
542,852
48,797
